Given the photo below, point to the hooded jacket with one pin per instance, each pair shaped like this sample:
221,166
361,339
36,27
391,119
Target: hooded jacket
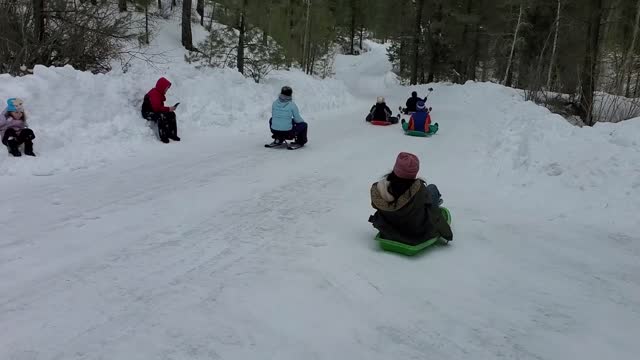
411,219
8,122
155,98
283,112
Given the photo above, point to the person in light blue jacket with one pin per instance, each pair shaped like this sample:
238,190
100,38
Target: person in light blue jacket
286,122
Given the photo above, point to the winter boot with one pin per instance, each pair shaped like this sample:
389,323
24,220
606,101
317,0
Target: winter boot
28,149
12,145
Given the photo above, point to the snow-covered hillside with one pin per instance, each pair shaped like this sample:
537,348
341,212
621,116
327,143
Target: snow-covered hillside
216,248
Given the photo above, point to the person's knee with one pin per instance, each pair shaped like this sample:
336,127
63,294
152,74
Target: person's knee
434,192
27,134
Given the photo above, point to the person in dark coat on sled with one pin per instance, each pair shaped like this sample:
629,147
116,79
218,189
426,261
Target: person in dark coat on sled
153,109
411,103
407,209
286,122
381,112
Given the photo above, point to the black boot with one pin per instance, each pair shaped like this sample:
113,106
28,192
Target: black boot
162,133
28,149
172,128
12,145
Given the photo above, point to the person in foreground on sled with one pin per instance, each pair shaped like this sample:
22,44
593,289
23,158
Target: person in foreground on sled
153,109
286,122
420,120
381,112
14,129
407,209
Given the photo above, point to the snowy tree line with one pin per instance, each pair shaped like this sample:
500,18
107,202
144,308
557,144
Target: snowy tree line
564,53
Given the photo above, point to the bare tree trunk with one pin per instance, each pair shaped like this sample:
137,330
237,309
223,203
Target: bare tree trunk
213,10
291,22
38,15
626,62
160,4
146,24
122,5
187,40
353,26
555,46
473,60
361,36
416,42
200,11
266,28
306,35
241,37
627,90
589,76
173,3
513,44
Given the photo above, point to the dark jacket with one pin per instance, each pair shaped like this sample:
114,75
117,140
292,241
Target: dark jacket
380,112
411,219
155,98
411,103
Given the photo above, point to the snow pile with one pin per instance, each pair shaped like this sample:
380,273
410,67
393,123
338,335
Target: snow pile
83,120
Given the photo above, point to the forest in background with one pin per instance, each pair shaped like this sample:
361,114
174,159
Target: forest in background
572,56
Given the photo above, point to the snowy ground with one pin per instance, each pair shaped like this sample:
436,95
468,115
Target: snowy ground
216,248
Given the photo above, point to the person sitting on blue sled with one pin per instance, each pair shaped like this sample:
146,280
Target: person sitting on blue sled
286,122
381,112
407,209
420,120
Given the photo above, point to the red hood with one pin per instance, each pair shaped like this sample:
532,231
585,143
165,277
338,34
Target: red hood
163,85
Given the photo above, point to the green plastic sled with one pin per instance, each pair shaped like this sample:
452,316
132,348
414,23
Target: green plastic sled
410,250
417,133
432,130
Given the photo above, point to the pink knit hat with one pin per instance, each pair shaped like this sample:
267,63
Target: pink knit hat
407,166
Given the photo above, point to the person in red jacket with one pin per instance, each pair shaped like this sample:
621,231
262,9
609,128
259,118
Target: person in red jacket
153,109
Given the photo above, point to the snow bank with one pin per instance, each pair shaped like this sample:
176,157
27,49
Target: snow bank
523,146
83,120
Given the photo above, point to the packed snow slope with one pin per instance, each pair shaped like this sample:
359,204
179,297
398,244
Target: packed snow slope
217,248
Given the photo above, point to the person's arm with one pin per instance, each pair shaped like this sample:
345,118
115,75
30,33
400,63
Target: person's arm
296,113
4,121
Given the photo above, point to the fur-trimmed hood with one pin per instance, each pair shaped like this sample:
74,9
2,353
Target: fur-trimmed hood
381,199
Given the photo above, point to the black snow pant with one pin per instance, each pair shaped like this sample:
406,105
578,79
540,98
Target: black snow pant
12,139
167,125
298,132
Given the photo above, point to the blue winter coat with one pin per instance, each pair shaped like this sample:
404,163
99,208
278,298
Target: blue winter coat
283,111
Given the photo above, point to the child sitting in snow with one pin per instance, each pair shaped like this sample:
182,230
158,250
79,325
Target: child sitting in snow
408,210
153,109
15,130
